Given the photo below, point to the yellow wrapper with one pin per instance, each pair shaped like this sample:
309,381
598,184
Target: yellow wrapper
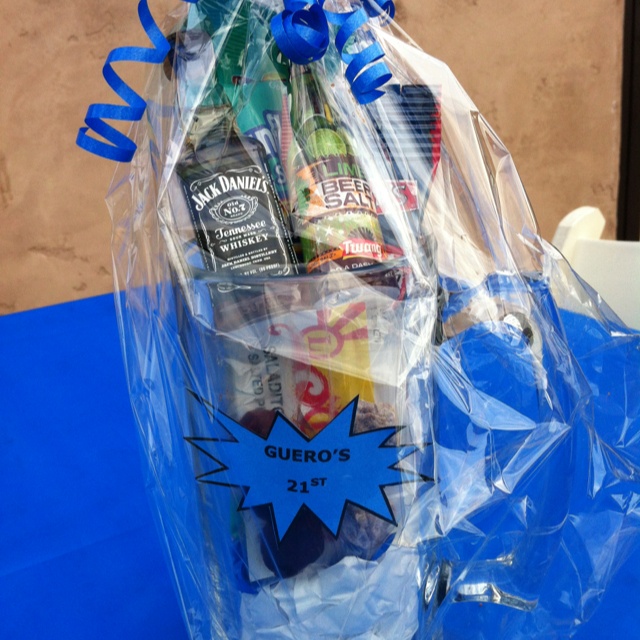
336,366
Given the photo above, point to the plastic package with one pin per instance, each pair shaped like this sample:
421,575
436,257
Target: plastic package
374,403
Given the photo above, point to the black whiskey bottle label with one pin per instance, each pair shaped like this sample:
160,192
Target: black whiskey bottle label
239,222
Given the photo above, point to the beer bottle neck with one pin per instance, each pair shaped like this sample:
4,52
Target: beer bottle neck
308,99
318,132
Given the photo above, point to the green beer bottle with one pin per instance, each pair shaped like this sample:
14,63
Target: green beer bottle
333,208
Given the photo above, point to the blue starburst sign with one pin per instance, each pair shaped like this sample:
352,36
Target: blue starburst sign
287,471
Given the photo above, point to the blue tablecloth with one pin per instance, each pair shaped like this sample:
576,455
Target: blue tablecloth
79,554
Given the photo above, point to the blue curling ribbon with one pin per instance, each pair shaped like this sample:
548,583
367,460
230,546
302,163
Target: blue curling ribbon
379,9
301,32
119,147
365,73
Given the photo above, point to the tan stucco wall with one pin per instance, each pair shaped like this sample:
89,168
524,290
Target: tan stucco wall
546,73
547,76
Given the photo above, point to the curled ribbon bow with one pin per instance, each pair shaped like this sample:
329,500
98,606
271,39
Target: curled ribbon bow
301,32
119,147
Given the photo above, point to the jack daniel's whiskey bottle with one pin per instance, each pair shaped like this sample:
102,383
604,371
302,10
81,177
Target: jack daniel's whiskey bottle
334,209
238,220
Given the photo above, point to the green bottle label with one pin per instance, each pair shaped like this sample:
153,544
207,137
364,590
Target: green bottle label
336,216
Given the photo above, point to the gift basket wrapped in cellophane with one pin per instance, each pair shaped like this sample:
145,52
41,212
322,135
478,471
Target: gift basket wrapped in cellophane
374,403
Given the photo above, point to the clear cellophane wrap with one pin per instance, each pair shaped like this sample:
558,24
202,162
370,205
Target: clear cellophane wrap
374,403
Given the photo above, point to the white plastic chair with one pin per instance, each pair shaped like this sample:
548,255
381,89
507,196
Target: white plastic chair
611,267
